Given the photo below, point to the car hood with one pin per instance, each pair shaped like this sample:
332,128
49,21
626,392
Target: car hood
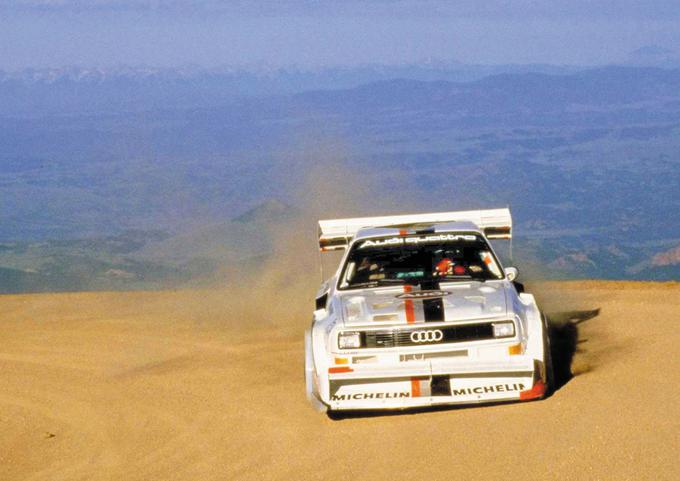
402,305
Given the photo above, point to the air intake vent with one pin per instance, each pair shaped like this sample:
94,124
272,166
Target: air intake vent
427,335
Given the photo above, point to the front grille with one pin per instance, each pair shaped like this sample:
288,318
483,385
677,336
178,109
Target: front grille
449,334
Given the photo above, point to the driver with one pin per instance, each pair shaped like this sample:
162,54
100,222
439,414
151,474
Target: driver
369,270
446,267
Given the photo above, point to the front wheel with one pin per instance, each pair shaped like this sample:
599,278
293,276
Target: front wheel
336,415
549,371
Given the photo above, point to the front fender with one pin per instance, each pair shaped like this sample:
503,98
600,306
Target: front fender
535,327
311,377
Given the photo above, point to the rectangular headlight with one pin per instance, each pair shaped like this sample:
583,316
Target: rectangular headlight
349,340
503,329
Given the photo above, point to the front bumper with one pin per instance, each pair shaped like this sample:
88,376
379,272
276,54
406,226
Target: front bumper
433,382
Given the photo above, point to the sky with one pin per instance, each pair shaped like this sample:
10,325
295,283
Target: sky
323,33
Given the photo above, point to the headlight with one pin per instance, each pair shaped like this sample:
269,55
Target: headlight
349,340
354,309
503,329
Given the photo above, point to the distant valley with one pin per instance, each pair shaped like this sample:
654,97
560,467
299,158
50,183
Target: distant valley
120,198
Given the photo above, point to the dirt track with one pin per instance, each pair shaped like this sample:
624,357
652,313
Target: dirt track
170,386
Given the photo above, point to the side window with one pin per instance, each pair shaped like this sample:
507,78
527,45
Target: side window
490,264
349,273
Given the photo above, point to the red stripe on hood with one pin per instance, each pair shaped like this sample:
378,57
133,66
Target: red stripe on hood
408,307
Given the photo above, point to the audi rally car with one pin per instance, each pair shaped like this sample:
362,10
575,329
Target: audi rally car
421,312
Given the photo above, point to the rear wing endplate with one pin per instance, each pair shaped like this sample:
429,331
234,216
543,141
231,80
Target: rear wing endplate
338,233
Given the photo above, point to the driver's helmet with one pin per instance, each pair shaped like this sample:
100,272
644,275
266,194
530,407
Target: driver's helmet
447,267
444,267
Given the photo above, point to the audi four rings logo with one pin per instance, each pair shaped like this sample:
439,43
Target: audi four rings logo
434,335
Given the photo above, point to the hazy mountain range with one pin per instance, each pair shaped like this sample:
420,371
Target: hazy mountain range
101,189
78,90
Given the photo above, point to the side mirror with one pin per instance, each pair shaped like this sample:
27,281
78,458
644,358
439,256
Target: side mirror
511,273
321,301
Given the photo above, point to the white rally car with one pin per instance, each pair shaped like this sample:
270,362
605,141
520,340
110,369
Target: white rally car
419,313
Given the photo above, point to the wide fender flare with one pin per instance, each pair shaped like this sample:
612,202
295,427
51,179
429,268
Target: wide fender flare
318,341
311,378
309,364
535,327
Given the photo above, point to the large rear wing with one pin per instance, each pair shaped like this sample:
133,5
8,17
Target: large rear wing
338,233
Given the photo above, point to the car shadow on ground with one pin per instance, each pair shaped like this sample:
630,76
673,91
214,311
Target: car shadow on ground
563,330
564,339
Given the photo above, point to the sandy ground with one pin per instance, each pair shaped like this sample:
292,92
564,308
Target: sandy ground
175,386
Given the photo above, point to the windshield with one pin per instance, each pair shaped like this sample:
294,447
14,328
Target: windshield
419,259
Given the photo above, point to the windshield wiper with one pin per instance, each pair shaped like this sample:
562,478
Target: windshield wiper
463,279
391,281
378,282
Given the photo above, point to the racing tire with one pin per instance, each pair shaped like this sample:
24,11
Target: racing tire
548,361
336,415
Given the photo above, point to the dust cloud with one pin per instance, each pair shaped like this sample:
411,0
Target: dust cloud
277,290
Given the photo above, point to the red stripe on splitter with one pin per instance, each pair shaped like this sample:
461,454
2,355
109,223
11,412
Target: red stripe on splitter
403,232
408,307
415,387
339,369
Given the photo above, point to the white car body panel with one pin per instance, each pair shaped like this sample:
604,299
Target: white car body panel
404,363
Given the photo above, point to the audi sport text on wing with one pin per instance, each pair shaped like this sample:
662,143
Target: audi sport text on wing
421,312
